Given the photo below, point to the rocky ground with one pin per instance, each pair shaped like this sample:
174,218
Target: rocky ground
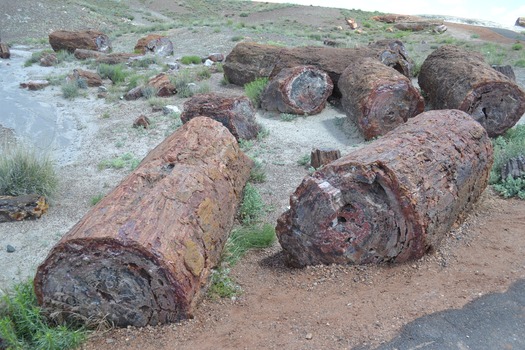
336,307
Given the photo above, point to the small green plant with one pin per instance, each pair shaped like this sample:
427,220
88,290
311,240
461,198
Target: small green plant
517,47
237,38
105,115
35,57
70,89
148,92
254,90
511,187
243,14
96,198
65,56
252,206
116,73
242,239
304,160
183,82
245,145
288,117
190,60
127,160
520,63
23,171
474,36
204,73
24,326
144,62
257,174
158,102
203,88
221,284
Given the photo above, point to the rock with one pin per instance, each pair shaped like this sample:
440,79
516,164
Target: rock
72,40
102,89
35,84
4,51
352,23
133,94
17,208
440,29
506,70
92,79
418,26
163,85
48,60
309,336
323,156
170,109
520,22
173,65
208,63
115,58
216,57
329,42
157,44
390,18
298,90
141,121
235,113
83,54
10,248
515,168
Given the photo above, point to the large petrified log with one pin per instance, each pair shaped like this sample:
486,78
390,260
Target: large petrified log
248,61
157,44
143,254
84,39
377,97
392,200
235,113
297,90
455,78
17,208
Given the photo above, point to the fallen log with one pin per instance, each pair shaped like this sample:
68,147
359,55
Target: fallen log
417,26
298,90
322,156
83,39
455,78
17,208
377,97
392,200
235,113
143,255
4,51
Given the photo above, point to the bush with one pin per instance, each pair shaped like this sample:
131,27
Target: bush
70,89
191,60
204,73
96,198
254,90
221,285
148,92
182,83
520,63
511,187
517,46
23,326
237,38
24,172
252,206
116,73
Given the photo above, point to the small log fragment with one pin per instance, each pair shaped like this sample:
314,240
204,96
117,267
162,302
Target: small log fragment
162,85
377,97
143,254
298,90
17,208
83,54
417,26
235,113
35,84
116,58
4,51
506,70
157,44
84,39
322,156
392,200
515,168
455,78
141,121
92,79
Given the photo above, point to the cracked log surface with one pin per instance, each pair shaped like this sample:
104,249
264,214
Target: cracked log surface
17,208
143,255
377,97
455,78
298,90
392,200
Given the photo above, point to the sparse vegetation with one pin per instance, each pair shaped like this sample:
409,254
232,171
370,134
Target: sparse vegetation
23,171
96,198
257,174
184,83
127,160
70,89
252,206
517,47
204,73
114,72
243,239
190,60
304,160
287,117
148,92
254,90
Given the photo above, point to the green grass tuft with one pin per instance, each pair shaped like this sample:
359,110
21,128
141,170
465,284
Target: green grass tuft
70,90
222,286
23,171
127,160
254,90
257,174
190,60
252,206
288,117
116,73
182,83
96,198
243,239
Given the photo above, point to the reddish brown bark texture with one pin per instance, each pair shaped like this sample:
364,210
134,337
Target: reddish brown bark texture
143,254
392,200
86,39
455,78
377,97
297,90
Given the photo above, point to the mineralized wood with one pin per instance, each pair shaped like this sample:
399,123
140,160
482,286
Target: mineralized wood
506,70
515,168
4,51
377,97
392,200
17,208
84,39
235,113
157,44
455,78
143,254
298,90
323,156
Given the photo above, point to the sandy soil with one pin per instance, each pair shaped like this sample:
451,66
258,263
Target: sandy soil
330,307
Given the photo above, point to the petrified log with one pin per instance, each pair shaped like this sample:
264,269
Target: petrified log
506,70
297,90
116,58
417,26
143,254
48,60
163,85
17,208
157,44
392,200
377,97
515,168
4,51
92,79
455,78
323,156
83,54
35,84
85,39
235,113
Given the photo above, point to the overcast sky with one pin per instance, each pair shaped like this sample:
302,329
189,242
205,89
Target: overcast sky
504,12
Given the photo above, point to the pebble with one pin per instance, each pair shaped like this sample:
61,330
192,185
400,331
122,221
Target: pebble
10,248
309,336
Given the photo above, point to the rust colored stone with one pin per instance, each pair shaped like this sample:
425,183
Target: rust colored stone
85,39
116,58
48,60
392,200
17,208
163,85
35,84
322,156
143,255
298,90
452,77
141,121
157,44
92,79
377,97
235,113
83,54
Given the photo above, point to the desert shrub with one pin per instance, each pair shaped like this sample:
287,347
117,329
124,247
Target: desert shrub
517,46
23,171
24,326
35,57
190,60
127,160
183,82
222,285
520,63
237,38
252,206
144,62
96,198
65,56
511,187
254,90
70,89
287,117
148,92
204,73
257,174
114,72
304,160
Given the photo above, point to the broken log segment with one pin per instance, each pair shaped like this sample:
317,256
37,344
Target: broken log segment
455,78
322,156
17,208
83,39
377,97
392,200
143,255
298,90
